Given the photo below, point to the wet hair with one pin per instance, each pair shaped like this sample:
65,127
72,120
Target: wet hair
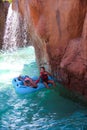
42,67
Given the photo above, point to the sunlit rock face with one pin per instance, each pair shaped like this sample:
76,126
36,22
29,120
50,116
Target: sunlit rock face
3,13
58,30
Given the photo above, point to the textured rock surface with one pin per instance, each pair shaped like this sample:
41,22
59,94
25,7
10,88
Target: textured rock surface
3,12
59,32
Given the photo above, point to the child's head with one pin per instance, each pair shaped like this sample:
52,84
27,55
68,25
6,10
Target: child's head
42,69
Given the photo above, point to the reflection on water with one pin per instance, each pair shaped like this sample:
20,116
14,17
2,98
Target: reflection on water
42,110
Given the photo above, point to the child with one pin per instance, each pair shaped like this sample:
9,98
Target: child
27,81
44,77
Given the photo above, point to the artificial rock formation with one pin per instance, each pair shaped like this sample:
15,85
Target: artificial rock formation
3,13
59,36
2,23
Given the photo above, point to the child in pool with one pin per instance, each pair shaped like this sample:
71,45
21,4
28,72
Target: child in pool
27,81
44,77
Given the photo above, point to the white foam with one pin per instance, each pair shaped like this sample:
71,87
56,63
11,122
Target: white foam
15,31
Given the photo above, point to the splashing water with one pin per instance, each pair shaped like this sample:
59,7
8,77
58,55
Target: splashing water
10,64
15,31
42,110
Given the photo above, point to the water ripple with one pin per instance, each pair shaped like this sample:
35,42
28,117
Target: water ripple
42,110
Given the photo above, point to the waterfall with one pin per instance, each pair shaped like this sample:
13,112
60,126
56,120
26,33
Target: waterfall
15,31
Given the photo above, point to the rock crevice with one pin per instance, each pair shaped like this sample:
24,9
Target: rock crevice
59,34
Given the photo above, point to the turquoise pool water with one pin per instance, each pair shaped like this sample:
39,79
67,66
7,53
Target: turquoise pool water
42,110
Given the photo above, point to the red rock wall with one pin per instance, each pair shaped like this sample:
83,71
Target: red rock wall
2,22
58,31
3,13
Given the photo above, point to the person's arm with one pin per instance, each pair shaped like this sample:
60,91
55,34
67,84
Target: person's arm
33,83
37,81
48,73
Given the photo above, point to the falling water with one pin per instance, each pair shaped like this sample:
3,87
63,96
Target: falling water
15,31
43,110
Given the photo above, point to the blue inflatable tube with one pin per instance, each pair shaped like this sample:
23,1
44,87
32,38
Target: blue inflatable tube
21,89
